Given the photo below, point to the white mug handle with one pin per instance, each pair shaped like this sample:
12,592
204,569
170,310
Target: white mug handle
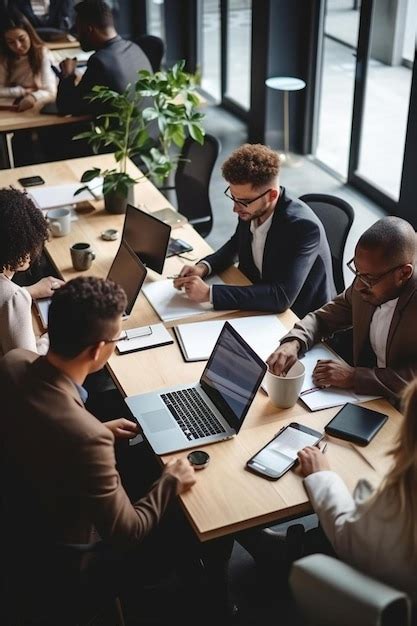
57,226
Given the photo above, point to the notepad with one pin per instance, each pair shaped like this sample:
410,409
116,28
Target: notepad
48,197
154,335
261,332
325,398
172,304
356,423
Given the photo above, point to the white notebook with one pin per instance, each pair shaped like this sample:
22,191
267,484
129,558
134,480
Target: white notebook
261,332
325,398
48,197
171,304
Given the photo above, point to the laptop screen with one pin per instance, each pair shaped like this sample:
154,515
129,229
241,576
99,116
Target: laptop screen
147,236
232,376
129,272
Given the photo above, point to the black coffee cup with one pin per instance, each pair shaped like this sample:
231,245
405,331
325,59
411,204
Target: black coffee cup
82,256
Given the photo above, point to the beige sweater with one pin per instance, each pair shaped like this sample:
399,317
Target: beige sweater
22,77
16,330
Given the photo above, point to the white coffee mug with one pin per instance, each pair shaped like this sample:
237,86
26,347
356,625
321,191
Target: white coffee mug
284,391
59,221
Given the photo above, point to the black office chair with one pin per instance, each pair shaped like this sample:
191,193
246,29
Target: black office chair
154,48
192,180
336,216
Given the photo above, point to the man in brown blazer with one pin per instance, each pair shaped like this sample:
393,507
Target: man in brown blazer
61,485
381,308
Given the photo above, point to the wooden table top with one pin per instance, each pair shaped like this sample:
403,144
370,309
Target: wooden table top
11,120
226,497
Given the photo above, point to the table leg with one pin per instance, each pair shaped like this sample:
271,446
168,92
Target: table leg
4,152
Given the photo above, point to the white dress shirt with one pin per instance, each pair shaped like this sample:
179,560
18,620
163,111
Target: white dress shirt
259,235
379,329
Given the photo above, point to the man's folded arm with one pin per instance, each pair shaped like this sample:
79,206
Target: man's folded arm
388,382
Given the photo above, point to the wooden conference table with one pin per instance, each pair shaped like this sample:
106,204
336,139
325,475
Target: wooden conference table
226,497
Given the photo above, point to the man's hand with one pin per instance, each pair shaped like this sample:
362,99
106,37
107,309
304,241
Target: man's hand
333,373
183,472
67,67
312,460
27,102
195,288
45,287
283,358
122,428
199,270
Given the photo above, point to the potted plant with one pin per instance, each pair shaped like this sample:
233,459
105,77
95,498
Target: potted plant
145,121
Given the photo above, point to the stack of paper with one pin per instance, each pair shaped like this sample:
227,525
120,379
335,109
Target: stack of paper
147,337
48,197
171,304
261,332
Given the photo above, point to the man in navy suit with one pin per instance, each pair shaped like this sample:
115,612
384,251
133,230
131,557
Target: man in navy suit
280,244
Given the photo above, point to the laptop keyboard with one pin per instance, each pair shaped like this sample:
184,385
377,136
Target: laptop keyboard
192,414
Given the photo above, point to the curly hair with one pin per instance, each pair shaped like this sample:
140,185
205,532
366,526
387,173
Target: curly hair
23,229
82,313
252,163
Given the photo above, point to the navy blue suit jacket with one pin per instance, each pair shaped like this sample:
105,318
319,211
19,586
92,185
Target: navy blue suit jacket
115,66
297,265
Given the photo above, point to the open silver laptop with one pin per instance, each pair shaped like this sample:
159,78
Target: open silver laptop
181,417
127,270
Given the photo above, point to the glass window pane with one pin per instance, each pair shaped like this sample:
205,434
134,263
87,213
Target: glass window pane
387,98
338,80
155,18
210,33
239,26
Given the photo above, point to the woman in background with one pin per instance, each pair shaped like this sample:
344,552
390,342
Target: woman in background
25,64
23,232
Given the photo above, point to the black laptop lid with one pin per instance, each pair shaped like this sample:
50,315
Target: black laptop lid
232,376
129,272
147,236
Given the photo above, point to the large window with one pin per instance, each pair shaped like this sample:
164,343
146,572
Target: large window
210,48
155,18
238,64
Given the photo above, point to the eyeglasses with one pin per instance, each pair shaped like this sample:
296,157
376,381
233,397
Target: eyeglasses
370,281
244,203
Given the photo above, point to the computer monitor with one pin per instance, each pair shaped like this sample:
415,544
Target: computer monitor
129,272
147,236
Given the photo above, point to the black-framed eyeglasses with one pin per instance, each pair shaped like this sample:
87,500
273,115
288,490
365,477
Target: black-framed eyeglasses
370,281
244,203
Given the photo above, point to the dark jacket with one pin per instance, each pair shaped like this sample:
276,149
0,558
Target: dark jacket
115,66
297,266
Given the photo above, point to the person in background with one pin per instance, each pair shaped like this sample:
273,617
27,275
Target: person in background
23,232
380,307
115,64
48,15
280,244
25,64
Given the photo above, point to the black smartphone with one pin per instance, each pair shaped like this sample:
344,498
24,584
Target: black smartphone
280,454
31,181
178,246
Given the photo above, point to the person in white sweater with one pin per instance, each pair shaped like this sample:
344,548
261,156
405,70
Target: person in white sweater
25,64
375,531
23,232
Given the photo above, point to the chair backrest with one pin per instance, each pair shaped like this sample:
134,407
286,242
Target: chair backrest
192,180
154,48
336,216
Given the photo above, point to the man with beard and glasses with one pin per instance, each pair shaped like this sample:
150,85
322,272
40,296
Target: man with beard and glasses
279,242
380,307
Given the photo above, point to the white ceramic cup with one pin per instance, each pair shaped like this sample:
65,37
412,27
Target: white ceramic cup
59,221
284,391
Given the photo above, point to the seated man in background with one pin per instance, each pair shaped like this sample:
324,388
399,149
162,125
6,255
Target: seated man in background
60,470
115,63
380,307
279,242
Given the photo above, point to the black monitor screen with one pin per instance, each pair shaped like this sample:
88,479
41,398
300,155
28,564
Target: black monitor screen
147,236
129,272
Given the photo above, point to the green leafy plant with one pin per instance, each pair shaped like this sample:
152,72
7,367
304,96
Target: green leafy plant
147,120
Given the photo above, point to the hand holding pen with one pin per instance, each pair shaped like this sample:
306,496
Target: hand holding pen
312,460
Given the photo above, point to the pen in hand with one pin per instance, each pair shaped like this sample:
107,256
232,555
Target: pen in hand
324,448
174,276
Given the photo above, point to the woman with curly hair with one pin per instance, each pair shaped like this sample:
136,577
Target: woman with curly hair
25,64
23,232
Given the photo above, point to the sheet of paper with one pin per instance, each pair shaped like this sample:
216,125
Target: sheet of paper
171,304
157,336
262,333
46,196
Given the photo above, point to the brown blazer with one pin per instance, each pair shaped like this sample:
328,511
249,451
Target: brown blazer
59,460
349,310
